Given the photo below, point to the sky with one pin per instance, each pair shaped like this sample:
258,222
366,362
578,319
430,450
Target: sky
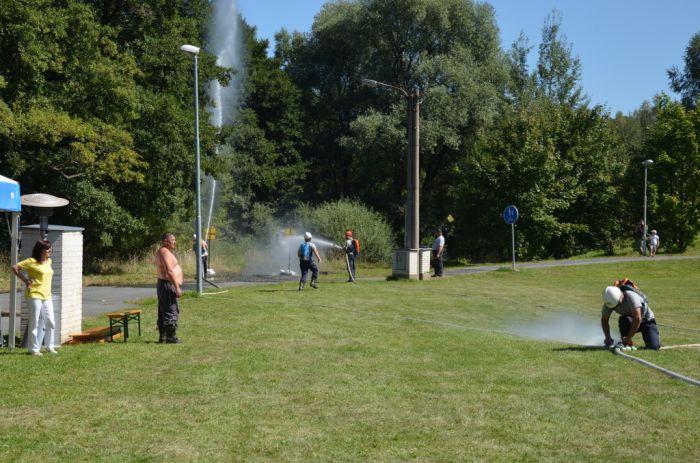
625,46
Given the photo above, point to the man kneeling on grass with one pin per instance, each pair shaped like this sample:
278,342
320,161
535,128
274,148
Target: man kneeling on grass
635,315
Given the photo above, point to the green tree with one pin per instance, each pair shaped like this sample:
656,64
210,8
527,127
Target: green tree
550,155
687,82
674,145
97,99
558,70
357,136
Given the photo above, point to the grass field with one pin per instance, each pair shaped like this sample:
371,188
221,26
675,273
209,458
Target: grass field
377,371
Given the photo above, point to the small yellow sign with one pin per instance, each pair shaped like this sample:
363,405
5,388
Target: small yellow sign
289,231
211,234
450,218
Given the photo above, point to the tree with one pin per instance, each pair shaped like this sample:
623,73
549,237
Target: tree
558,71
674,145
98,101
687,82
547,153
357,136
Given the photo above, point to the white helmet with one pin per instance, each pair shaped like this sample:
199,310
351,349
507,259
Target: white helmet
307,236
612,296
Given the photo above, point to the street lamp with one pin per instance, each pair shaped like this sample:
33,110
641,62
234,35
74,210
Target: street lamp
646,164
194,51
411,236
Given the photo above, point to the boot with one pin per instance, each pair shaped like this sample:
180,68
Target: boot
162,337
171,337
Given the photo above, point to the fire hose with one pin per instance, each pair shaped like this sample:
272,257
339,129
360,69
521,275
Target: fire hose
672,374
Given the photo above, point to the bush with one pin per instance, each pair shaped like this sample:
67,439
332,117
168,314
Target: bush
333,219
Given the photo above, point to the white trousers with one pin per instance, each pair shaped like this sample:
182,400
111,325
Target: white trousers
41,323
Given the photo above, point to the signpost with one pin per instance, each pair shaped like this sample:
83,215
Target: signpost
510,215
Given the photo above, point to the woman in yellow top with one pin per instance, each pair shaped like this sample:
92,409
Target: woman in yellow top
38,283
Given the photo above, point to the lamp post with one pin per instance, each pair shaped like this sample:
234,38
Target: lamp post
411,236
646,165
194,51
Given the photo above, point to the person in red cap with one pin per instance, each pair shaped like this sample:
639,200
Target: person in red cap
350,255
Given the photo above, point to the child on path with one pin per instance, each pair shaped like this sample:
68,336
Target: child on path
654,242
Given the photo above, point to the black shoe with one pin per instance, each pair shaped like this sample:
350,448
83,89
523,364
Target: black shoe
313,284
171,337
301,286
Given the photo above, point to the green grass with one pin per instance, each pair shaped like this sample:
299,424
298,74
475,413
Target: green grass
376,371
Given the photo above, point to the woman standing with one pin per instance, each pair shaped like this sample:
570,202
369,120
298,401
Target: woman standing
38,283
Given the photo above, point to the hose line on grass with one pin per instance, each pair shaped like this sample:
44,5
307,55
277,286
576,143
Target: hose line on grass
670,373
679,346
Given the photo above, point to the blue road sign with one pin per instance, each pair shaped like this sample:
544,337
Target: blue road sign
510,214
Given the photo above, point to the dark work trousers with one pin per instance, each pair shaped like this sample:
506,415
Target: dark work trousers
168,310
648,328
437,264
205,265
351,263
305,266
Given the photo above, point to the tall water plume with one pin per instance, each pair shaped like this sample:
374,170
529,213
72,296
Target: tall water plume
225,41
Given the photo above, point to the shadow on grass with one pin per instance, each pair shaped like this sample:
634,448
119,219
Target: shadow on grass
579,348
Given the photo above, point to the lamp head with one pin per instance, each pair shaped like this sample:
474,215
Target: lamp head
190,49
647,163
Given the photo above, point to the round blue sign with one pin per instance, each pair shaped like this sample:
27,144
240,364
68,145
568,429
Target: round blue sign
510,214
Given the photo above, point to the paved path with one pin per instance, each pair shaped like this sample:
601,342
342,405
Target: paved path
101,299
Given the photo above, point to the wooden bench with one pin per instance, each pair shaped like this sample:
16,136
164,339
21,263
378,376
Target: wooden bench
95,334
121,319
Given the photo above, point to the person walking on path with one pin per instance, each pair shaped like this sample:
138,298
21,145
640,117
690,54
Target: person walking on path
38,283
438,251
205,255
635,315
168,289
350,255
654,243
640,235
307,251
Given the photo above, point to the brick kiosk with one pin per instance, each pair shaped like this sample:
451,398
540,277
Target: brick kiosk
67,288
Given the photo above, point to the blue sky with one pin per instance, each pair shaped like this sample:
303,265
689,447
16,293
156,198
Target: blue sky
625,46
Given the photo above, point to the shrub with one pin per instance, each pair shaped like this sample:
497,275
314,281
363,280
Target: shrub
333,219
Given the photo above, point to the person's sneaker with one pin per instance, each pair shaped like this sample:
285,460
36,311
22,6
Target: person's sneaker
51,350
301,286
36,354
313,285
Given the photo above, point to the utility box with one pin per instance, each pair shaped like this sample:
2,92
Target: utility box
413,264
67,285
424,263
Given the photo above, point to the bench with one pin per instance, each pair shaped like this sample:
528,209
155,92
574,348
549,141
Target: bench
121,319
95,334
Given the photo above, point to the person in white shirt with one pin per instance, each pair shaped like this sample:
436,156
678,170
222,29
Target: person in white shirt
654,242
438,252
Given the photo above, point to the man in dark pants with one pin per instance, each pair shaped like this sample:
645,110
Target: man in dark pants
438,251
635,315
306,254
168,289
351,254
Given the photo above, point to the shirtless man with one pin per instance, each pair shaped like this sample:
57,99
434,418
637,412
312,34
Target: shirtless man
168,289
